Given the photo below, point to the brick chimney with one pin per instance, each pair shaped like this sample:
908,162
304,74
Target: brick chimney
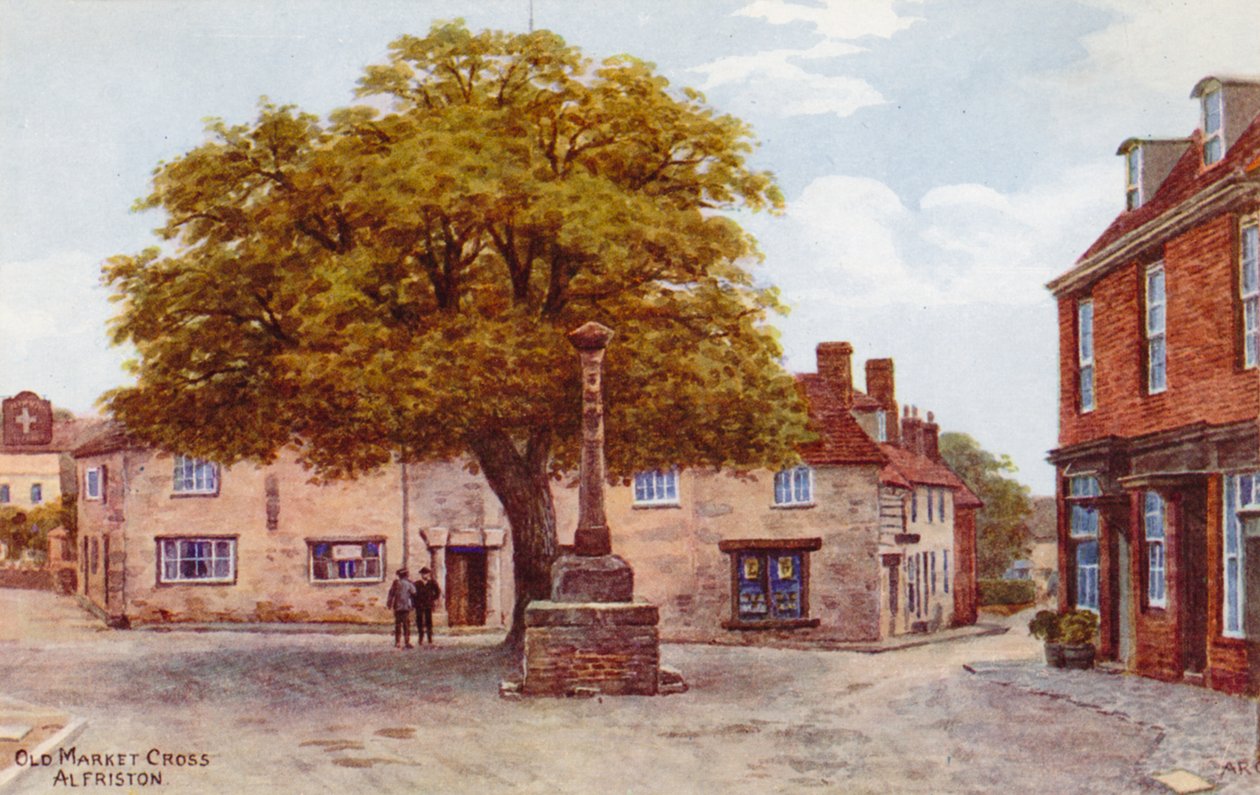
835,366
881,386
931,438
911,430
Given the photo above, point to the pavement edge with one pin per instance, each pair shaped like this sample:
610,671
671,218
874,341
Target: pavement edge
10,774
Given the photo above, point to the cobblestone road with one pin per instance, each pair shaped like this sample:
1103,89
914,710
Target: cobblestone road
347,713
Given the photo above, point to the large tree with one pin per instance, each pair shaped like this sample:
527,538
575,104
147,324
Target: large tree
1002,524
396,282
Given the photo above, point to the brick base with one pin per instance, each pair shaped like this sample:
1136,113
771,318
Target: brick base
611,648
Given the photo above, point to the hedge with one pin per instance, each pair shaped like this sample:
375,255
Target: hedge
1007,592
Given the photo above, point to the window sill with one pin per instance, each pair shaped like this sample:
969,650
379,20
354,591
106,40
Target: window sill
198,583
780,623
345,582
652,506
186,495
792,506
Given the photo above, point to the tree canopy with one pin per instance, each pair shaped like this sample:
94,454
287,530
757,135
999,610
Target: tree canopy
1002,524
395,282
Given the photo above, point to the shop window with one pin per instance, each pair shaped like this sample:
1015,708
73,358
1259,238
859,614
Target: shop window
1240,490
1155,516
770,582
347,561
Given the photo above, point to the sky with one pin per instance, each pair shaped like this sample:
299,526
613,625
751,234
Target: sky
941,159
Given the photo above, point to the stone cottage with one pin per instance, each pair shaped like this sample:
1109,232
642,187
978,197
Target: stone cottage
870,536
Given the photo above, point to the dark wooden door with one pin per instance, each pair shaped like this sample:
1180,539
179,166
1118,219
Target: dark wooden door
466,586
1193,579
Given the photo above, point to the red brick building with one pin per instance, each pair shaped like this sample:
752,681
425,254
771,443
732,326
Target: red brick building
1159,330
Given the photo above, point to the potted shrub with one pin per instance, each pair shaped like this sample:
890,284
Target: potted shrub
1077,629
1045,627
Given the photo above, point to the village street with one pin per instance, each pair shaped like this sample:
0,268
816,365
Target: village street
303,713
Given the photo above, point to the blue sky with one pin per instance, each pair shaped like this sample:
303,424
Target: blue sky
941,160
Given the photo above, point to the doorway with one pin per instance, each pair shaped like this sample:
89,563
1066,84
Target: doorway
1193,578
1124,601
466,586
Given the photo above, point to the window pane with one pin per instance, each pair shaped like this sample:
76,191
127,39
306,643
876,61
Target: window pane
1157,375
1232,624
1212,150
1212,112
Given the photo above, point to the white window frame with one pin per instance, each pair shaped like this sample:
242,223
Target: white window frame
165,544
794,487
1249,293
1235,586
312,543
92,484
1084,520
194,476
656,487
37,493
881,426
1213,140
1156,331
1155,515
1085,355
1133,178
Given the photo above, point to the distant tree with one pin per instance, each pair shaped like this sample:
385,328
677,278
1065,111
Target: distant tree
22,529
1002,525
397,284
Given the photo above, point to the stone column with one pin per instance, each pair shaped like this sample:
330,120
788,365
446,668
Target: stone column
592,636
592,537
593,573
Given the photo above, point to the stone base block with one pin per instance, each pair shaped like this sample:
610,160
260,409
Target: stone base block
610,648
579,578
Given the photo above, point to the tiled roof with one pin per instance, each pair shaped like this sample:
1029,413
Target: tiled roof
66,435
841,440
1186,179
905,468
107,437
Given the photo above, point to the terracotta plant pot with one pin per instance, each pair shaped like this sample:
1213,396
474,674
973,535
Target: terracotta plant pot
1079,657
1054,654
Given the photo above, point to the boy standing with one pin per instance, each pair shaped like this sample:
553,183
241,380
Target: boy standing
401,596
427,593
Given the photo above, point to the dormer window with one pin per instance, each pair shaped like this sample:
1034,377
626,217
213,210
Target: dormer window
1133,178
1213,127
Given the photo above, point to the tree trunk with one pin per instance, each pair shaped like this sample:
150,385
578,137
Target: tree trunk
519,479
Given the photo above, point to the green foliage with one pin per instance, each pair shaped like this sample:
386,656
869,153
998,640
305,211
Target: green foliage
397,281
1078,627
22,529
1045,626
1002,524
1006,592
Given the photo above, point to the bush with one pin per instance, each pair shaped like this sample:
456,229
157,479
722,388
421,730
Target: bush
1007,592
1078,627
1045,626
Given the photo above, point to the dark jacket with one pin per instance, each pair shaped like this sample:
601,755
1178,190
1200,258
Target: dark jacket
427,593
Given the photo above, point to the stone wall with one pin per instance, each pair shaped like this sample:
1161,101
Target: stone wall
679,567
610,648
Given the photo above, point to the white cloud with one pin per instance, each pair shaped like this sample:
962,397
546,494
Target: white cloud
1138,71
850,241
776,81
835,19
